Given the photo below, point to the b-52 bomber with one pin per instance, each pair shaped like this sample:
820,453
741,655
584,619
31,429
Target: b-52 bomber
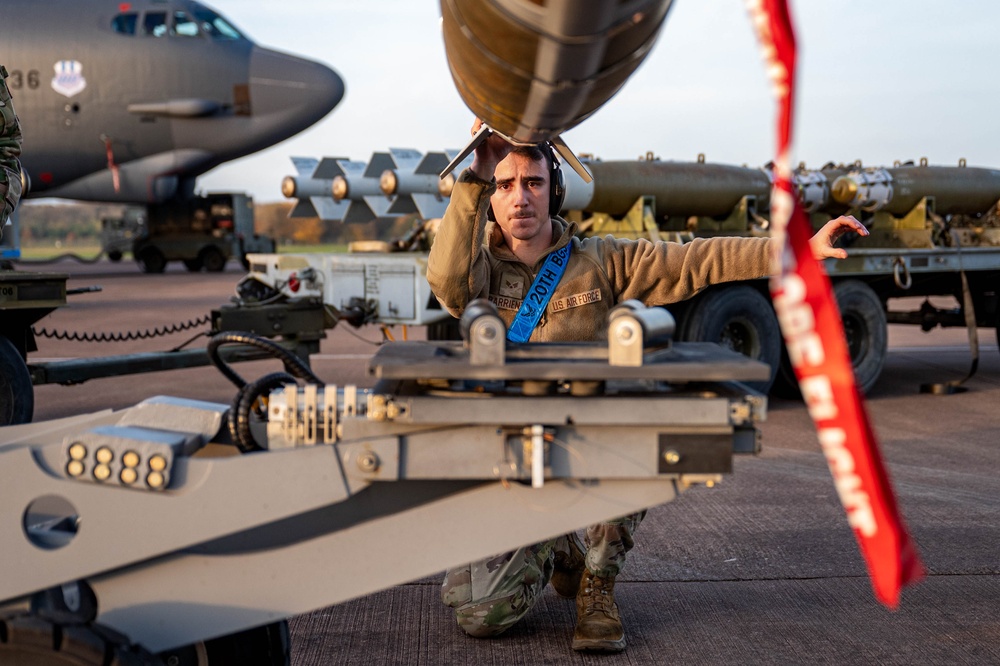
130,102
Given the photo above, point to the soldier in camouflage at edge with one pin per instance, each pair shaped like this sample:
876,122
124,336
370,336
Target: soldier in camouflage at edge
10,149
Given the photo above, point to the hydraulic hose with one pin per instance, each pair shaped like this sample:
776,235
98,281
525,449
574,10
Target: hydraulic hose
293,364
246,404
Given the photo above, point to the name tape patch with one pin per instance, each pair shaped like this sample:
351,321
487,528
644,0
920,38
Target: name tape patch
576,300
505,303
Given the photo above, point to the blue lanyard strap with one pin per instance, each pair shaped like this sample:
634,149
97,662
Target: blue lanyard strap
538,296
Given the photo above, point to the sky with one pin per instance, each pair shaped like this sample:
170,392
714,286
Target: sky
877,82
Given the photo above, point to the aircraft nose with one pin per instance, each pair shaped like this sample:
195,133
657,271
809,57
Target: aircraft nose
298,91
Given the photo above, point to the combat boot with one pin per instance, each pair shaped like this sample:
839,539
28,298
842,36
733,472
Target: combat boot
598,625
570,563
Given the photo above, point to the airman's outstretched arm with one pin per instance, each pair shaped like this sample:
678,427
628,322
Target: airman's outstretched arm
823,240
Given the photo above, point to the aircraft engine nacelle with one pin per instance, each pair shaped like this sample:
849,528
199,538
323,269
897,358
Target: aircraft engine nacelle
532,71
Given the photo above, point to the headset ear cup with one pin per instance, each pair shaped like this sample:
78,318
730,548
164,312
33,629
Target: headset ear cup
557,189
489,214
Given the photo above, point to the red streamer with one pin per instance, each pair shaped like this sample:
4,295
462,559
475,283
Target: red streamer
814,337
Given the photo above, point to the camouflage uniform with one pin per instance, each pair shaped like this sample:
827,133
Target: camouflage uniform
10,149
490,596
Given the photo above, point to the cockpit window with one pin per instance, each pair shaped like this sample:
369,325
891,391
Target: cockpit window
124,23
214,25
184,26
155,24
201,20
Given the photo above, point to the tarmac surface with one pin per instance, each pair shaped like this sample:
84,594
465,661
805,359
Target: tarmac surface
761,569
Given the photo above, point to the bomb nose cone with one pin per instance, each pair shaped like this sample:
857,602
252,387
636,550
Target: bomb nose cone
339,188
844,190
388,182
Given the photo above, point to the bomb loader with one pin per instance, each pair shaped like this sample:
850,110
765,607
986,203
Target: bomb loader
139,535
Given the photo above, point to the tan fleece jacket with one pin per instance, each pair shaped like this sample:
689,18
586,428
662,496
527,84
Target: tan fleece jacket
601,271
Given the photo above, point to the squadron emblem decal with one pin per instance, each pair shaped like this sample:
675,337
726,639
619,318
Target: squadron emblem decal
69,79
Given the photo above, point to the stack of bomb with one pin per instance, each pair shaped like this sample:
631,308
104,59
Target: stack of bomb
399,182
336,189
713,190
404,181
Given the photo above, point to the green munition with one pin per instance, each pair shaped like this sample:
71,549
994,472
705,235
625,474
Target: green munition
680,188
957,190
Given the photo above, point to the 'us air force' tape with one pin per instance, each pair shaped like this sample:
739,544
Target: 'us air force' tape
538,295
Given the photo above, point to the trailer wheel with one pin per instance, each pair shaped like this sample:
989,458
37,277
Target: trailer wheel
739,318
115,256
151,260
17,395
269,645
786,384
193,265
31,640
212,259
864,320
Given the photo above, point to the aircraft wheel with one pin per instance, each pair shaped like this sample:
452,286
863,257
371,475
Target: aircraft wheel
269,645
29,640
17,395
212,259
739,318
151,260
115,256
864,320
193,265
